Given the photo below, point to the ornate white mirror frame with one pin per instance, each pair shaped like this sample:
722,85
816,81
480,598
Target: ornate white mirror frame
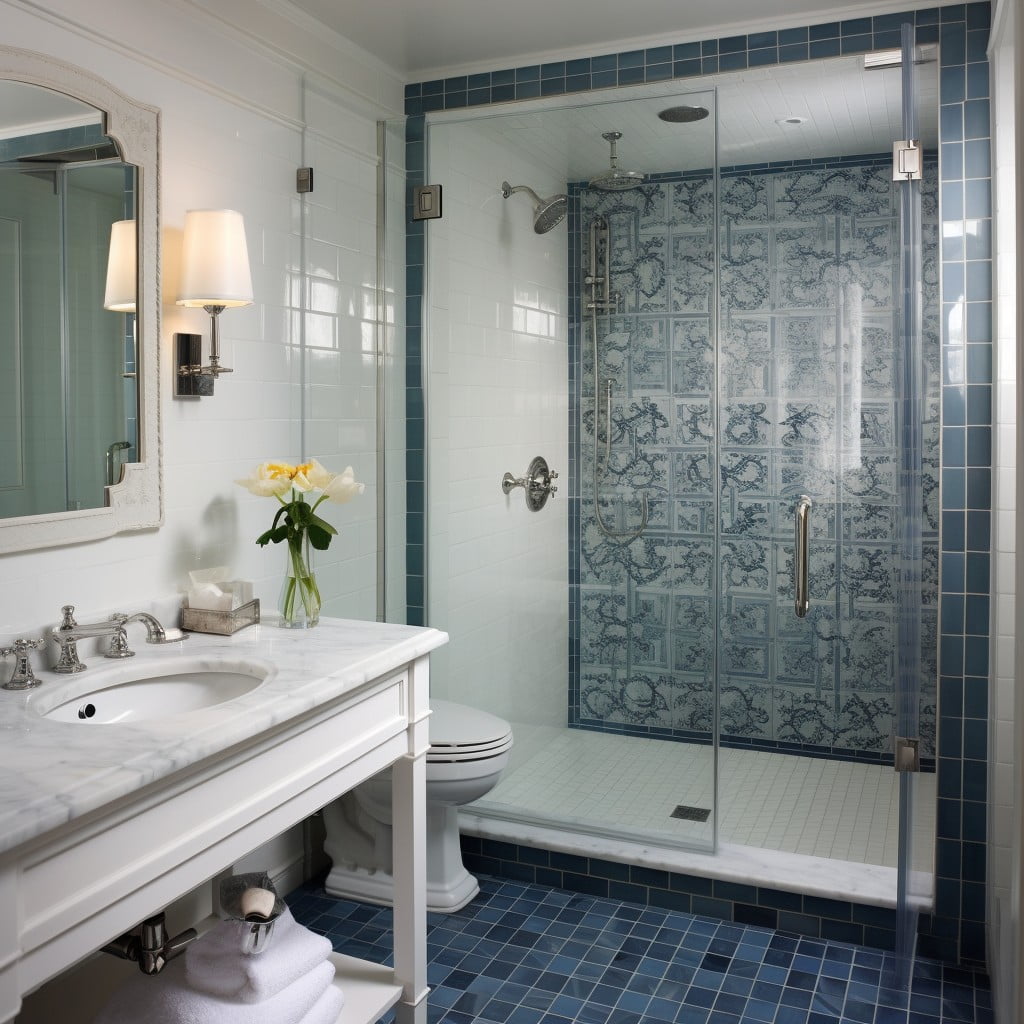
136,501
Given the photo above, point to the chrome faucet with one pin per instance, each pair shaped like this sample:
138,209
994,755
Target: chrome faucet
69,632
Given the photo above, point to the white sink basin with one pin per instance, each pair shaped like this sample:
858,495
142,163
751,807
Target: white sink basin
152,691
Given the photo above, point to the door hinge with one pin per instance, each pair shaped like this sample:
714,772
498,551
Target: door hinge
907,163
908,754
304,180
426,202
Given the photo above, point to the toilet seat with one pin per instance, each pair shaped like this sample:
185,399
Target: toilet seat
460,733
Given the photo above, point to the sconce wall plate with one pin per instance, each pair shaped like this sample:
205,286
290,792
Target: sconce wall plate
188,358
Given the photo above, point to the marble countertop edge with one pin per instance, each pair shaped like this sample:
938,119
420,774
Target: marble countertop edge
55,772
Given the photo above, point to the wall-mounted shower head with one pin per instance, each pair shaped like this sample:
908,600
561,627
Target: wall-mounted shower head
615,180
547,213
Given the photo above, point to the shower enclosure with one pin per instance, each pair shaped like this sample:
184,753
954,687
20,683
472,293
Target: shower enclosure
705,639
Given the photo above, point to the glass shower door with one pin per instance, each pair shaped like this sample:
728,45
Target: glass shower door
911,399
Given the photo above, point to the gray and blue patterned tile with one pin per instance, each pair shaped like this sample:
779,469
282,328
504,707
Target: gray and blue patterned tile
746,566
745,472
693,516
693,365
694,423
745,270
692,275
692,204
840,192
745,517
744,199
745,707
691,472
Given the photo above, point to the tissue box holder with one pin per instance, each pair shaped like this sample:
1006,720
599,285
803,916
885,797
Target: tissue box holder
210,620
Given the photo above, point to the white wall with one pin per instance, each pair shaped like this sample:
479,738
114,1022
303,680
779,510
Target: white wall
232,135
497,396
237,118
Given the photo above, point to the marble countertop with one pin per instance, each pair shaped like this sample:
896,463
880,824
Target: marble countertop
54,772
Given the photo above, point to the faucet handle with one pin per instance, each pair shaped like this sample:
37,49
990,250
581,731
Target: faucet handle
23,678
119,638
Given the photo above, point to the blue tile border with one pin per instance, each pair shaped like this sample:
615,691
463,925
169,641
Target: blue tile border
956,930
814,916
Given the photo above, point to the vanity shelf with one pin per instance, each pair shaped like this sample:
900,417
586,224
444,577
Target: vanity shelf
121,820
370,990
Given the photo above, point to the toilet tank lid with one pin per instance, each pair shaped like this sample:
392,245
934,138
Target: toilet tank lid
456,725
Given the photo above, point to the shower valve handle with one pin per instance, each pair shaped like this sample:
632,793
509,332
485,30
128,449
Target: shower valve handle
537,483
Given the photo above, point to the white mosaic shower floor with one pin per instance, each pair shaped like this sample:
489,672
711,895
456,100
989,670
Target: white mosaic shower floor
629,786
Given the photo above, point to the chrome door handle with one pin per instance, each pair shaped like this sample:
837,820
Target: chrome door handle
800,555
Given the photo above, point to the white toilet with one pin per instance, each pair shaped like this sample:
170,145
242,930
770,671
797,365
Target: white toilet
469,750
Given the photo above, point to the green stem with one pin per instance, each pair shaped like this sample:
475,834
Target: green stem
301,584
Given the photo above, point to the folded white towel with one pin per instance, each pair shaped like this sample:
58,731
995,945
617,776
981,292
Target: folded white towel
327,1008
168,999
215,964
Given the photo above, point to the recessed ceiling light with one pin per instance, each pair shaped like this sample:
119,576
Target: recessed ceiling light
791,122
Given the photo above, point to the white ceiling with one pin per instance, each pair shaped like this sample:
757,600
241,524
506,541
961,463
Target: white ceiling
418,36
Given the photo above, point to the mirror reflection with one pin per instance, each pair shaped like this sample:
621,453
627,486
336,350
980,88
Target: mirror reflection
68,395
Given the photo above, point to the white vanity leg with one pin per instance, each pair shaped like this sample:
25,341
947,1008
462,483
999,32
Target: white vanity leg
409,851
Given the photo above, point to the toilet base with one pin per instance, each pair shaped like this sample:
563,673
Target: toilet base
356,883
359,846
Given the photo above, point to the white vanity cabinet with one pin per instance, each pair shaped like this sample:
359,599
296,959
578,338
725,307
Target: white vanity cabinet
104,825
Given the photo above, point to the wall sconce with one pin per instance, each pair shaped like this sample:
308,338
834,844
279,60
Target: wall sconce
122,268
214,275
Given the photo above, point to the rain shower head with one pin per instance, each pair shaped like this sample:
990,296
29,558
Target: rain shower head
547,213
683,114
615,180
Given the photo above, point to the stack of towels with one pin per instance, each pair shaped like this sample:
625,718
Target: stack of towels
216,983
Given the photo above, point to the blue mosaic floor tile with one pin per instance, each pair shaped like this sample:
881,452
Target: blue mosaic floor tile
526,954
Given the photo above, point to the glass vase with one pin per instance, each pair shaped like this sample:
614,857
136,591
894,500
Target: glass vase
299,604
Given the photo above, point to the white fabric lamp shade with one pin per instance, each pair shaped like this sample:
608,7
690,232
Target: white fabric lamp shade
214,260
122,268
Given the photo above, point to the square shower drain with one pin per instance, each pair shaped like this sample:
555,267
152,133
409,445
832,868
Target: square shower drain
691,813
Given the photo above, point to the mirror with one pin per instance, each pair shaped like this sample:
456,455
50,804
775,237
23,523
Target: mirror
79,307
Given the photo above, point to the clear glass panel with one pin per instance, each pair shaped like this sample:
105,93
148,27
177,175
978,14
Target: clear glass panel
332,364
732,333
917,422
509,307
810,357
391,284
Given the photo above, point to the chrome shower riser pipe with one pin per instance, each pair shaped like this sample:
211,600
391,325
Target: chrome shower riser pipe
605,302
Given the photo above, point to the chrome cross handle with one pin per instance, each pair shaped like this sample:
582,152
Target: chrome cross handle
23,678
